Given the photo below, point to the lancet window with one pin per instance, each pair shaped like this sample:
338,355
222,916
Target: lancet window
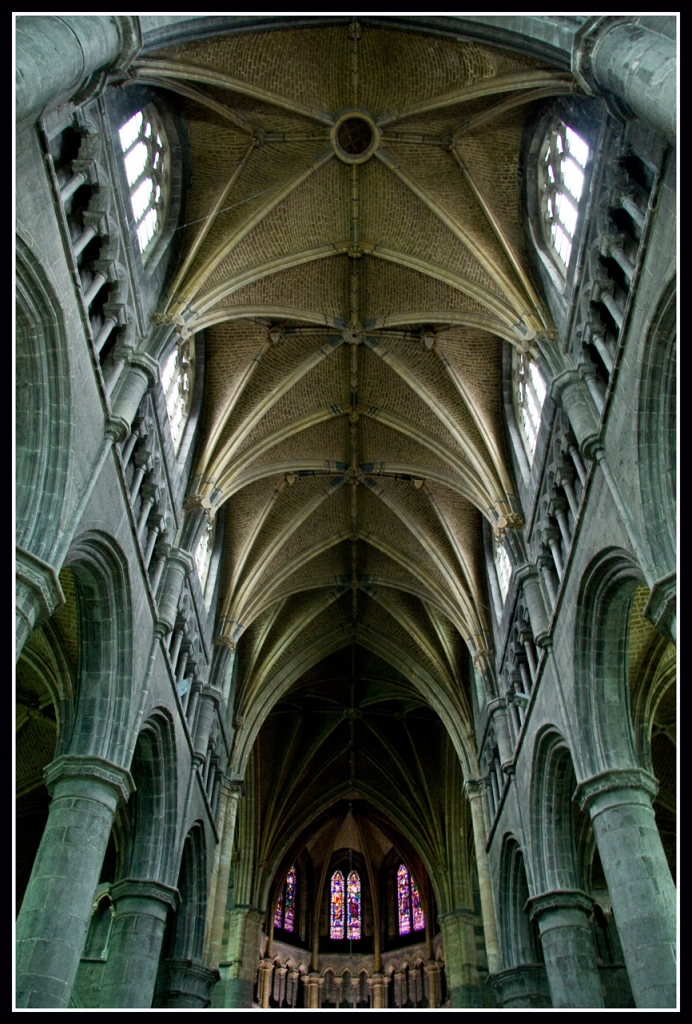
144,147
561,181
177,379
503,569
203,554
411,914
529,396
354,905
285,914
336,913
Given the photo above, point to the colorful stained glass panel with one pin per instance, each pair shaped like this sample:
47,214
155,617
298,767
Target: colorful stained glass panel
290,900
404,900
279,912
417,908
336,915
354,905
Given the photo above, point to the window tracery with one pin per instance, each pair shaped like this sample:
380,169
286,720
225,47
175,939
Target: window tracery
145,154
285,913
561,183
176,379
529,395
410,907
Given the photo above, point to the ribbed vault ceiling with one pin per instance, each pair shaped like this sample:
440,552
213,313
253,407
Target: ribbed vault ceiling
354,306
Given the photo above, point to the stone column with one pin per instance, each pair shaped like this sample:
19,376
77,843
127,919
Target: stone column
265,985
190,984
180,565
568,948
57,56
142,373
243,957
473,788
53,922
134,950
459,939
632,62
231,794
314,987
639,882
377,990
527,576
38,594
521,987
432,973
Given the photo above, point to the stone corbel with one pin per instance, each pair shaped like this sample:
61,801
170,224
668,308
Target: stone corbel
661,607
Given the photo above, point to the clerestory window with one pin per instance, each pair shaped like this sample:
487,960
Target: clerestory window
203,555
503,569
410,908
145,152
285,913
561,183
529,396
177,379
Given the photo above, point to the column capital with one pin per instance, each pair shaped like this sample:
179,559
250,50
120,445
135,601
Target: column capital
463,914
145,888
183,559
563,899
585,39
613,781
89,768
474,789
233,788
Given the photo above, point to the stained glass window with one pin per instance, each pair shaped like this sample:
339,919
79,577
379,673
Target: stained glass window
354,905
290,900
416,908
279,912
409,902
404,898
336,916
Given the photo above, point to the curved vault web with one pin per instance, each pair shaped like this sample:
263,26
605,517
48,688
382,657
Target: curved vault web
352,251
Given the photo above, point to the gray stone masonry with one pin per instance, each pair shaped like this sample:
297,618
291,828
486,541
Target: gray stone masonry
55,914
568,949
639,880
141,908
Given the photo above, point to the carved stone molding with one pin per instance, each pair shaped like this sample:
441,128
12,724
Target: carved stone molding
42,580
88,767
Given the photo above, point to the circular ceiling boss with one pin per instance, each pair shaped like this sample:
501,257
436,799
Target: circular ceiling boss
355,137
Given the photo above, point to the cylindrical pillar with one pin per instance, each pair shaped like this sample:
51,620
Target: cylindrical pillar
314,986
141,374
53,922
527,576
134,949
639,881
432,973
461,967
55,56
639,66
568,948
180,565
265,982
377,990
232,792
474,793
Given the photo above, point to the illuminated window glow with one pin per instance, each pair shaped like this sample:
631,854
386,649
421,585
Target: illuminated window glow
336,914
411,914
529,394
503,568
203,555
285,913
143,143
354,905
177,379
565,156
